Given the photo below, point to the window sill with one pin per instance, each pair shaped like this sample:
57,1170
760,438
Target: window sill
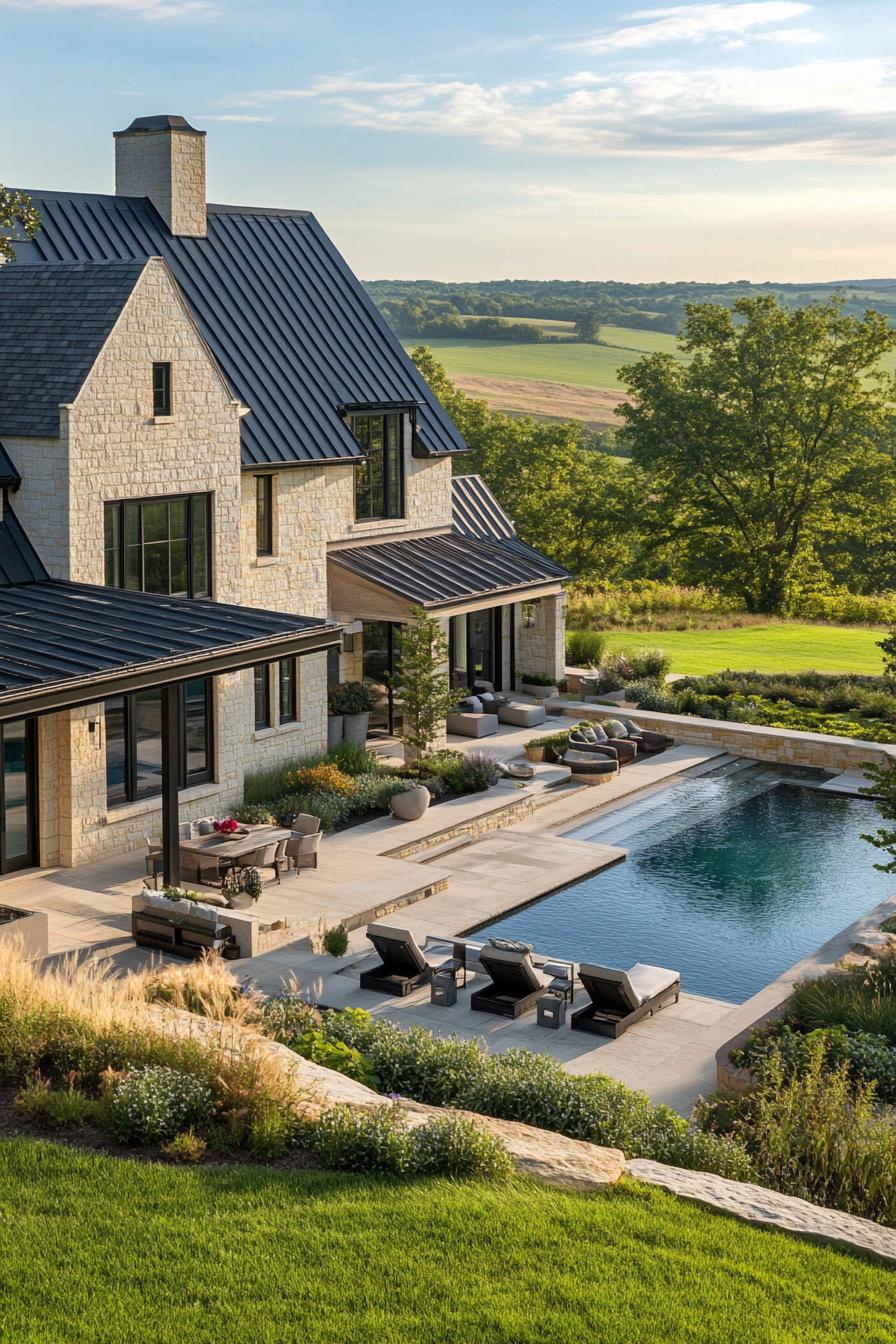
162,419
276,730
125,811
262,561
369,524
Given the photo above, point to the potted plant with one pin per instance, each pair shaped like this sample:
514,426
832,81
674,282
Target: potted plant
535,749
539,685
335,719
353,700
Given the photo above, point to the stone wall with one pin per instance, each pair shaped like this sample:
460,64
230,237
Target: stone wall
41,503
541,645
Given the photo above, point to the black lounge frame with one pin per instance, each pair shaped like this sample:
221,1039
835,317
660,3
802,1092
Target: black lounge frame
398,983
491,1000
600,1019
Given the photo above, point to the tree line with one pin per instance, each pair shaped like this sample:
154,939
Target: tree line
764,466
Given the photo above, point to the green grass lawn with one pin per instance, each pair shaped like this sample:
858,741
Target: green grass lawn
787,646
103,1249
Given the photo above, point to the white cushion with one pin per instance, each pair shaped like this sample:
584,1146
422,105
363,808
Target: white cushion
474,704
647,981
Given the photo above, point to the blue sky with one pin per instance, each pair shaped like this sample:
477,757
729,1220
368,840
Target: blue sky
498,138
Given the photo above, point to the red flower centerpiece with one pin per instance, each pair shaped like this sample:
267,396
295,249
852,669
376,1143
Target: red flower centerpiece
227,826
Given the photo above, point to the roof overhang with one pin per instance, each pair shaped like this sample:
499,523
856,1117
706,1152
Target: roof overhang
65,645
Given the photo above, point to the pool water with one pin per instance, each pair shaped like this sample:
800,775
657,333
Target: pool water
730,878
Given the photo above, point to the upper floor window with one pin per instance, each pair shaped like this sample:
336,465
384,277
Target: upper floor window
160,545
379,483
161,389
264,515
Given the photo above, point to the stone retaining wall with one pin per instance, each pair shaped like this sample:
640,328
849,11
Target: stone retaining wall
783,746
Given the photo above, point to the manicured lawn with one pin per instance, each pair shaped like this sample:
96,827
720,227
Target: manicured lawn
787,646
103,1249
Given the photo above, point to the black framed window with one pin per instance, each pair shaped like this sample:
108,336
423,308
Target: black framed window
379,480
160,545
264,515
161,389
262,683
134,741
288,675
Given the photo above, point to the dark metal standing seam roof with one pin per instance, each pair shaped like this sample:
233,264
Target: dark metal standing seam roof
445,568
75,642
475,512
9,472
54,320
292,329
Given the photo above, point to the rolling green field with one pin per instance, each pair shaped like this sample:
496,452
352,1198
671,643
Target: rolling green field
594,366
785,646
104,1249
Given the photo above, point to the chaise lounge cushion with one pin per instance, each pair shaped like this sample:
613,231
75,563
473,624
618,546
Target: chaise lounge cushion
648,981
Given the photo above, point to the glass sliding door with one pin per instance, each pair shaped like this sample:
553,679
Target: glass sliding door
379,657
475,646
17,796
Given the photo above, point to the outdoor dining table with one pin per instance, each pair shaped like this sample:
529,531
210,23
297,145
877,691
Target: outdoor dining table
235,846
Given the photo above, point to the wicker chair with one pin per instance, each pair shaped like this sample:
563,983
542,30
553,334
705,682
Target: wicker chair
302,850
266,856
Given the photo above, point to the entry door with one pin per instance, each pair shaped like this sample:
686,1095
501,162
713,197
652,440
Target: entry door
380,647
18,848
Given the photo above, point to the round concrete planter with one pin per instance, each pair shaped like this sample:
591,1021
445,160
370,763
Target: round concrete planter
539,692
355,728
335,724
411,804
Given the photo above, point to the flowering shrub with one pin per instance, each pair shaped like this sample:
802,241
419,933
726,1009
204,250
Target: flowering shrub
226,825
380,1141
154,1103
520,1085
480,771
179,894
322,778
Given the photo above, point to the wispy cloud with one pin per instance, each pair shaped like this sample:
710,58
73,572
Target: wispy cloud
232,116
690,23
141,9
821,109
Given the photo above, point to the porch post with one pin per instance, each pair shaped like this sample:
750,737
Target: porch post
170,782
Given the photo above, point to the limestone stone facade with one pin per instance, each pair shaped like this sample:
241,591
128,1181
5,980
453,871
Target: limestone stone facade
110,448
167,165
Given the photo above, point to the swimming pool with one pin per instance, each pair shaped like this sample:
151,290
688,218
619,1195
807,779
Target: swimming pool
730,878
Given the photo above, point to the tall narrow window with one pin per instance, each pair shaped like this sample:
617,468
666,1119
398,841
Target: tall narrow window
289,690
161,389
379,484
262,695
160,545
264,515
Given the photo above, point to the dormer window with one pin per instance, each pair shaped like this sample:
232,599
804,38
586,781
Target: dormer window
379,483
161,389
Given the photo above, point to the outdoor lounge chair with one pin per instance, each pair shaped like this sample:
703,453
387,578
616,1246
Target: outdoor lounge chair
589,767
621,998
516,984
403,966
592,737
302,849
648,741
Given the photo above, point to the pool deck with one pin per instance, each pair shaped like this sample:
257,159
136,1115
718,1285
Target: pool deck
464,864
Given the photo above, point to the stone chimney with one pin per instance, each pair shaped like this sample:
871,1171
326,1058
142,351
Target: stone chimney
164,158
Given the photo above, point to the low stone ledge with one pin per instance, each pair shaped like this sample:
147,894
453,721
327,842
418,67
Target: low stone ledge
767,1208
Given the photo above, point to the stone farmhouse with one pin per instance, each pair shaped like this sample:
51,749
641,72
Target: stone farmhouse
225,486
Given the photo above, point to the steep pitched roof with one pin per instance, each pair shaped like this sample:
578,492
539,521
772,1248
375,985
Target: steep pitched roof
19,561
291,327
53,322
475,512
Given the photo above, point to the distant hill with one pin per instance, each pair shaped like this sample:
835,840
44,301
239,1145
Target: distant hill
523,310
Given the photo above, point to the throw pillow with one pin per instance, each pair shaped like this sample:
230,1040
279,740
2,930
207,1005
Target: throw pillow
509,945
613,728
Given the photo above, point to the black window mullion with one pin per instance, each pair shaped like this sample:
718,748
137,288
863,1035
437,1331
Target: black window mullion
130,746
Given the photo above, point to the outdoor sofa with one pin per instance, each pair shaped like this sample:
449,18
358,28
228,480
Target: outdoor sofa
621,998
182,928
588,767
403,967
594,738
649,742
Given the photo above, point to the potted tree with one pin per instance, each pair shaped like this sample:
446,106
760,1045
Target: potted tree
422,682
539,685
353,701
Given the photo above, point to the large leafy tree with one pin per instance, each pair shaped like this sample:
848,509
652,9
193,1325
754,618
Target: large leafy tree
778,423
18,218
566,498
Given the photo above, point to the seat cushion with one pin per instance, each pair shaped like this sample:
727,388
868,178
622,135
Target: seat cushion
472,725
522,716
613,728
648,981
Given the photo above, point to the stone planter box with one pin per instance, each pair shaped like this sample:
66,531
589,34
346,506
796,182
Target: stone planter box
29,928
539,692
